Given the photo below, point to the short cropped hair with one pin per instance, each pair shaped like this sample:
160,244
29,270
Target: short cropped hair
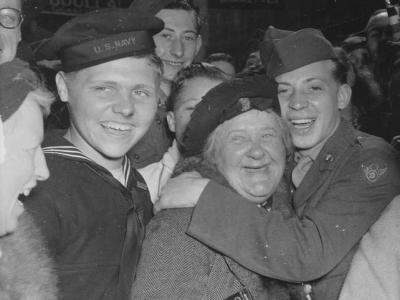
341,70
194,70
43,98
220,57
188,5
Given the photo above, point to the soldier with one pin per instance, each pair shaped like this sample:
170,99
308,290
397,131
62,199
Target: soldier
93,210
342,179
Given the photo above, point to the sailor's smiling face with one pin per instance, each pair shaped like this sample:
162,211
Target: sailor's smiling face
311,99
111,106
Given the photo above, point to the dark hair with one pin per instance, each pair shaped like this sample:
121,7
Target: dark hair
192,71
188,5
341,70
220,57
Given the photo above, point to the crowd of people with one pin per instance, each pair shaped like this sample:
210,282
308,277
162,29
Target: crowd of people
129,170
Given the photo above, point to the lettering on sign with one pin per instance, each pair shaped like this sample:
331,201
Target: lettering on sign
73,7
244,3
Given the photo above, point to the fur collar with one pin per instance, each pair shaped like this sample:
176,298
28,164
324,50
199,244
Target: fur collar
26,271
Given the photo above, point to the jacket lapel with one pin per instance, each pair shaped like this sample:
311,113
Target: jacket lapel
327,160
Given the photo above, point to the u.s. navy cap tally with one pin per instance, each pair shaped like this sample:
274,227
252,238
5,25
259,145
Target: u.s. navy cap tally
104,35
106,49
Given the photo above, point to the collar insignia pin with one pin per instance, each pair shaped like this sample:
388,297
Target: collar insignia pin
245,103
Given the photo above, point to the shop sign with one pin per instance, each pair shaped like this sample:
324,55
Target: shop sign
75,7
244,3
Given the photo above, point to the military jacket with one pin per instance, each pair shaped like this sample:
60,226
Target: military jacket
351,181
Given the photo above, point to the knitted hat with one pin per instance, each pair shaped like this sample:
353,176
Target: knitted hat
224,102
16,81
283,51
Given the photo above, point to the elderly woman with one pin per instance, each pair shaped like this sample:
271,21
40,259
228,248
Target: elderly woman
235,137
25,269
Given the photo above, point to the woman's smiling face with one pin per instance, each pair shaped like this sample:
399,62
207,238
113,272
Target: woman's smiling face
252,154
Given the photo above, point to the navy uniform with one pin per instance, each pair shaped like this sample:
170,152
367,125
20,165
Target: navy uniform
349,182
93,222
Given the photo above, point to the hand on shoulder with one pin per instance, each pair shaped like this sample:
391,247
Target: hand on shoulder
181,191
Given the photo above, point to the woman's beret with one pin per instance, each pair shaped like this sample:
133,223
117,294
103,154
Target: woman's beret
224,102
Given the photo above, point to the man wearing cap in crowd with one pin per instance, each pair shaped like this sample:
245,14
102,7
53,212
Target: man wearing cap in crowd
10,29
376,31
26,272
177,45
342,179
93,210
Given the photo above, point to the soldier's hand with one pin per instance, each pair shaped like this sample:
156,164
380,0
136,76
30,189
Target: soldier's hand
181,191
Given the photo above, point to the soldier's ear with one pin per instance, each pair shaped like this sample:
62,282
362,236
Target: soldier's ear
171,120
62,88
344,96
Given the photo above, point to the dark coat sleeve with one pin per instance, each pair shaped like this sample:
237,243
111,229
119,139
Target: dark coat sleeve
43,206
328,224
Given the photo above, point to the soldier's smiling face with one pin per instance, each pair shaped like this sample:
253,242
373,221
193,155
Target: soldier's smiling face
311,100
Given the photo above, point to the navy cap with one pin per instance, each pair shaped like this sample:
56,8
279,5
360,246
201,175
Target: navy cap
16,81
224,102
104,35
283,51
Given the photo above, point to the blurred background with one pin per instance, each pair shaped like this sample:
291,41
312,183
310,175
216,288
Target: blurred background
232,26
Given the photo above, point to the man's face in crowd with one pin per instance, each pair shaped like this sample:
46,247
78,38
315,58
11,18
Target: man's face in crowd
111,105
179,42
377,32
374,38
311,100
24,163
9,38
191,94
251,154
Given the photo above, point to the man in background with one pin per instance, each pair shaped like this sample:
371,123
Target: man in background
177,45
10,29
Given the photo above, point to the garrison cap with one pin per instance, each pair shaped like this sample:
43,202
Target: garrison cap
224,102
104,35
283,51
16,81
